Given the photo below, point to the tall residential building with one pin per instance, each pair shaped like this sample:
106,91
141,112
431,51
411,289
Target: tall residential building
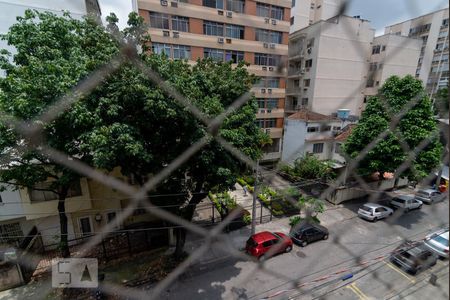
307,12
391,55
230,30
432,65
328,65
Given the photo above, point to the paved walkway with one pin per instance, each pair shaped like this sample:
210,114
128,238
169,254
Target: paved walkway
245,199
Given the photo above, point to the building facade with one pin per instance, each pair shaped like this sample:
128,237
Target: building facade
230,30
328,65
432,29
391,55
307,12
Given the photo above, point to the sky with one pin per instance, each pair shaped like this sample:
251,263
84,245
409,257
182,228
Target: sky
379,12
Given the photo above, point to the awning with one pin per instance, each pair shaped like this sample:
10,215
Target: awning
444,173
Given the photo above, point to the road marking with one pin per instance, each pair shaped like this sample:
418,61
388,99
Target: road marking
357,291
412,280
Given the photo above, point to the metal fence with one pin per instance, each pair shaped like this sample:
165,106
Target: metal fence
298,287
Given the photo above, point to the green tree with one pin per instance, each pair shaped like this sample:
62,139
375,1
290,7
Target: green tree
53,54
416,125
309,167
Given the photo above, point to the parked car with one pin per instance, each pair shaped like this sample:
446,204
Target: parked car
374,211
406,202
438,242
261,243
413,257
306,233
430,195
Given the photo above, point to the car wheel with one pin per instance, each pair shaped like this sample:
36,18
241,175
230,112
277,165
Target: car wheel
325,237
391,213
262,258
406,210
420,206
375,219
304,243
288,249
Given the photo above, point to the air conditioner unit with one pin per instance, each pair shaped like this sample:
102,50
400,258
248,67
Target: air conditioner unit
229,14
166,33
269,91
269,111
264,68
302,71
263,91
266,20
265,45
220,40
309,50
267,130
220,12
176,34
270,68
262,111
272,46
274,22
228,41
164,2
174,4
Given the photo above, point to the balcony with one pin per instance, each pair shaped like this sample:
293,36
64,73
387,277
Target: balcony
296,72
293,91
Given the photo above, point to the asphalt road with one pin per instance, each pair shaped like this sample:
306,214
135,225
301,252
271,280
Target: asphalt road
355,247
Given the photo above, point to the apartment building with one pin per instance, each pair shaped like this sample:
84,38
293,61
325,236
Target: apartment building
328,66
230,30
391,55
307,12
432,29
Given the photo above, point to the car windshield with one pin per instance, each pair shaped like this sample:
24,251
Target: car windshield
251,242
398,200
441,240
423,193
366,208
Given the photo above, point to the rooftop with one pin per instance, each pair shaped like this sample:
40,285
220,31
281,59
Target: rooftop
346,131
307,115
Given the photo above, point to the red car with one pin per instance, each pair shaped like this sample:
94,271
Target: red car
259,244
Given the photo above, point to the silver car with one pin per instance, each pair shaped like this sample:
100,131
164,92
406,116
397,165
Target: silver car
438,242
430,195
374,212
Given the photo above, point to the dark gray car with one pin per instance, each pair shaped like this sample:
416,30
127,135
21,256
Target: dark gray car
413,257
306,233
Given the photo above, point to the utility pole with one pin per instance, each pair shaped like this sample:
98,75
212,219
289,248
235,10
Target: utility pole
255,193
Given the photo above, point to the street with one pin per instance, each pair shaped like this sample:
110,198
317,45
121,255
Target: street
355,247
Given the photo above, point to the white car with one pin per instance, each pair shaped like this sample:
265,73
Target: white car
406,202
438,242
374,212
430,195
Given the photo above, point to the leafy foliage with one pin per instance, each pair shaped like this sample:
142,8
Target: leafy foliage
309,167
441,103
416,125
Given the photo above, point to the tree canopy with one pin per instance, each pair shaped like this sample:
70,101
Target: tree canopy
127,121
416,125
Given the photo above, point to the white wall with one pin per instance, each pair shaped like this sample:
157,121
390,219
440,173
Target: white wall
50,230
11,206
293,140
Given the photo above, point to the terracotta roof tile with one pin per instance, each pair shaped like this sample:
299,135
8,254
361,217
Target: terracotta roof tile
308,115
346,132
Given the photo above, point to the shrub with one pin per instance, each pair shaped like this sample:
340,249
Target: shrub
247,219
294,220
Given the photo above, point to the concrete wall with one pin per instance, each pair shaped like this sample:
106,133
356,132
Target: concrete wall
10,206
293,140
9,277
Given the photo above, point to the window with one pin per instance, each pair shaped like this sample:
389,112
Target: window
10,232
261,102
277,12
308,63
336,128
236,5
377,83
215,54
419,29
212,28
292,20
110,216
310,43
376,49
312,129
264,59
42,195
293,4
370,83
445,22
234,31
181,52
268,36
272,103
337,148
440,46
158,20
306,82
304,101
318,148
325,128
180,23
159,48
213,3
270,123
234,56
383,48
260,123
272,83
85,226
262,10
1,200
372,66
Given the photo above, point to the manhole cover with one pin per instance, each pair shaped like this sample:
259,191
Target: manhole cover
300,254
